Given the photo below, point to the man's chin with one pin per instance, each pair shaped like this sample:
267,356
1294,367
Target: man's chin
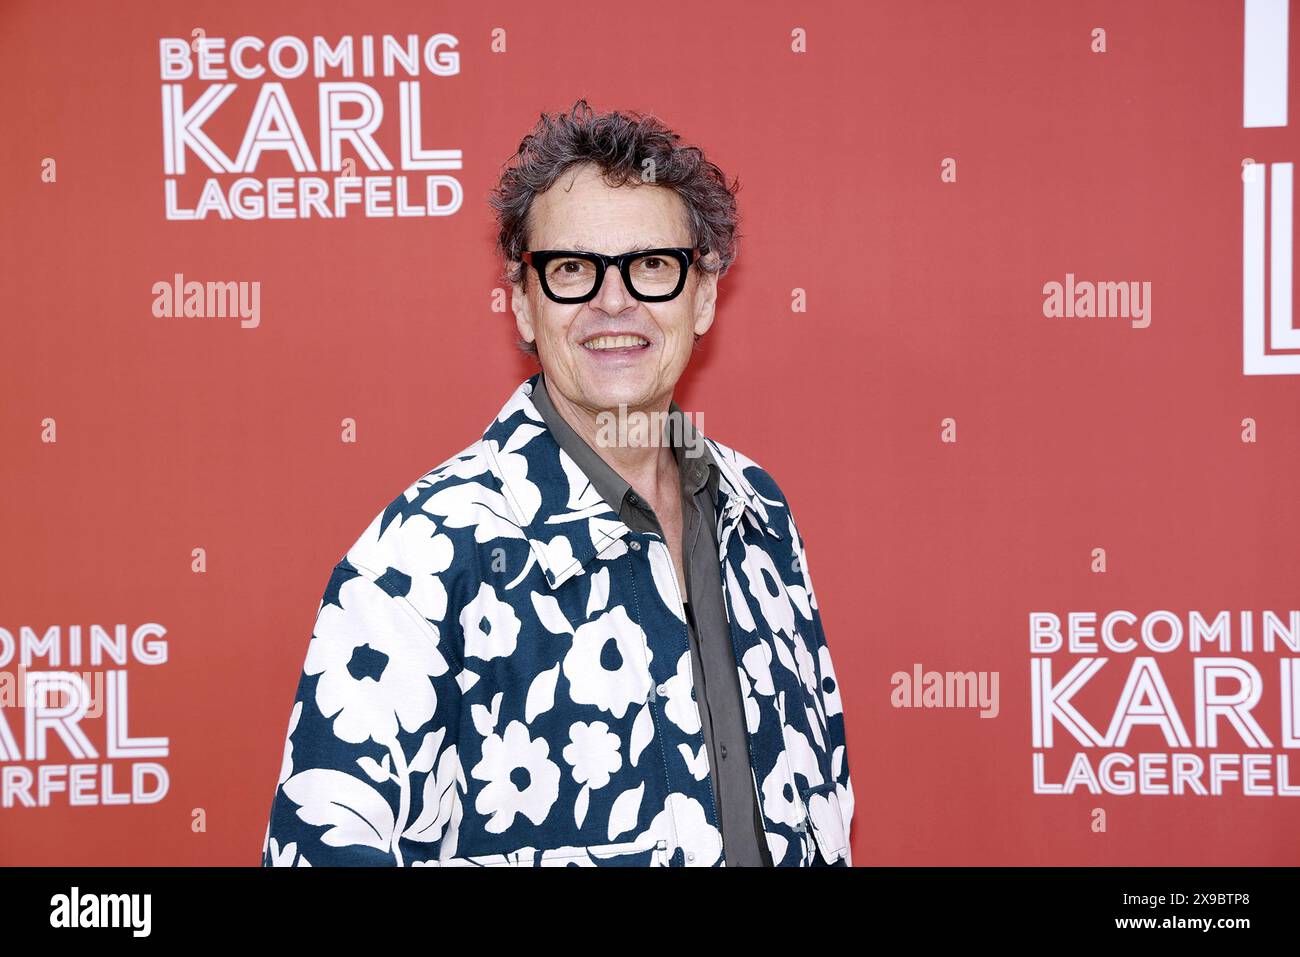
611,401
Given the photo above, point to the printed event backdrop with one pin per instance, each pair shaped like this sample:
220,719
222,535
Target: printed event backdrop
1011,325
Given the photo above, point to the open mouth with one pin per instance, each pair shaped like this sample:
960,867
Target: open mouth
618,344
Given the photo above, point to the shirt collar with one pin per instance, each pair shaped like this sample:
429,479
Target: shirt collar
696,471
561,512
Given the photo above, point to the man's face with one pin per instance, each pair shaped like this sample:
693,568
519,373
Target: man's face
582,212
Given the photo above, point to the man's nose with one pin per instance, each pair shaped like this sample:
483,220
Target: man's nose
613,296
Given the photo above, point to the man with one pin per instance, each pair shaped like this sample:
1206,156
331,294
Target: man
584,640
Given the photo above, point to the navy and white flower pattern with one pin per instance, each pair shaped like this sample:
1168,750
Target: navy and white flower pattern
499,675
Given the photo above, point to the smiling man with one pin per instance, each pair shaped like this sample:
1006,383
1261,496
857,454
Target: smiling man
555,649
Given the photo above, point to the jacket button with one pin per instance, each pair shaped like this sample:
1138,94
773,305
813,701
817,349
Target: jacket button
636,546
690,855
662,690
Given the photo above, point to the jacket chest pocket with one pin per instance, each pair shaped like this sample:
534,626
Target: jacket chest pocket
647,851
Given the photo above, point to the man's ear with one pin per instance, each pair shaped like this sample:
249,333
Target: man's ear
706,298
522,309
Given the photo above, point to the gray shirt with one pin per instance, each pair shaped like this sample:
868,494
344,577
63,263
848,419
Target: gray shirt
713,663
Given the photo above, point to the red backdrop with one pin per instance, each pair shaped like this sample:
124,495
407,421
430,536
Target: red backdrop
925,302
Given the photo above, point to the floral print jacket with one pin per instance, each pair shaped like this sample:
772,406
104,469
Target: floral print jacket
499,674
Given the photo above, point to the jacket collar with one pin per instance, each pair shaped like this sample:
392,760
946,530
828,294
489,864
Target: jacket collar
566,522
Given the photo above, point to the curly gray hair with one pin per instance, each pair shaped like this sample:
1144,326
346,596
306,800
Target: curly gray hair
622,145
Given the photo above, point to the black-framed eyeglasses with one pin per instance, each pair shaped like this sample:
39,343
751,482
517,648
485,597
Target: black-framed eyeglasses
650,275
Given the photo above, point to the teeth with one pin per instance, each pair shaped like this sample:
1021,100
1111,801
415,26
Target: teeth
615,342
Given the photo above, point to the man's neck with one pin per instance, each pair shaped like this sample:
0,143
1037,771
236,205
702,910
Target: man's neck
650,469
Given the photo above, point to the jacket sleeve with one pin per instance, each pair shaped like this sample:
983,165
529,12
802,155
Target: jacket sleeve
370,767
829,691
